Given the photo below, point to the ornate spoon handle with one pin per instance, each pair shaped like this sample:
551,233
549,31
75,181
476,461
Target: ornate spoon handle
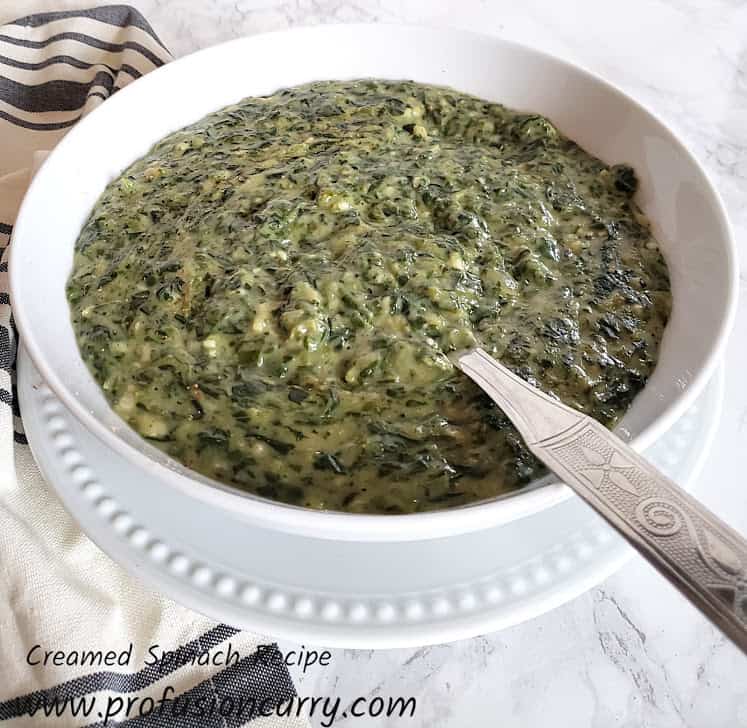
704,558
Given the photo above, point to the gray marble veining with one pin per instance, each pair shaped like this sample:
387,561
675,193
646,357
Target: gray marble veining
630,653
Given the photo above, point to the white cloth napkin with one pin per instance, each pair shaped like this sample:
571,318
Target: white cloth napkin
57,589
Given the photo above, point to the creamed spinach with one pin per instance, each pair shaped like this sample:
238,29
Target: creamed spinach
270,294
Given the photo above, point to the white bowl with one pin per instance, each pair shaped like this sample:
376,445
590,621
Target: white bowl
686,212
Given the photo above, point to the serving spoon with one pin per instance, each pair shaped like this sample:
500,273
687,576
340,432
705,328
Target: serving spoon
702,556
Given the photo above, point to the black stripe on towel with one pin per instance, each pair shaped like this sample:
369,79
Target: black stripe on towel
20,439
6,350
57,95
67,61
38,126
53,60
5,229
120,15
116,681
88,40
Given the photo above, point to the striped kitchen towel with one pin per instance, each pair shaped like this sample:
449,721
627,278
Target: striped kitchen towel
63,603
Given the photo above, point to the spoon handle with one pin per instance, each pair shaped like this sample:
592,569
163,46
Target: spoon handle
704,558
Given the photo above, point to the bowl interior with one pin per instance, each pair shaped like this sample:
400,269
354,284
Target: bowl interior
687,215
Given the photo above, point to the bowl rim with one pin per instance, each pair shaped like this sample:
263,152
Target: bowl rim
539,495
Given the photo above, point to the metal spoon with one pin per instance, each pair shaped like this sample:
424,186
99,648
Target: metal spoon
704,558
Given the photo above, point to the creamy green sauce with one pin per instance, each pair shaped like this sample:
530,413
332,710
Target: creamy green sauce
270,294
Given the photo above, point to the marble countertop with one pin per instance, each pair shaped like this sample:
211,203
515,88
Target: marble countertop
631,652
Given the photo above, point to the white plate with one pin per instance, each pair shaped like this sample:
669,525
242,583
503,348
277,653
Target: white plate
316,591
688,217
